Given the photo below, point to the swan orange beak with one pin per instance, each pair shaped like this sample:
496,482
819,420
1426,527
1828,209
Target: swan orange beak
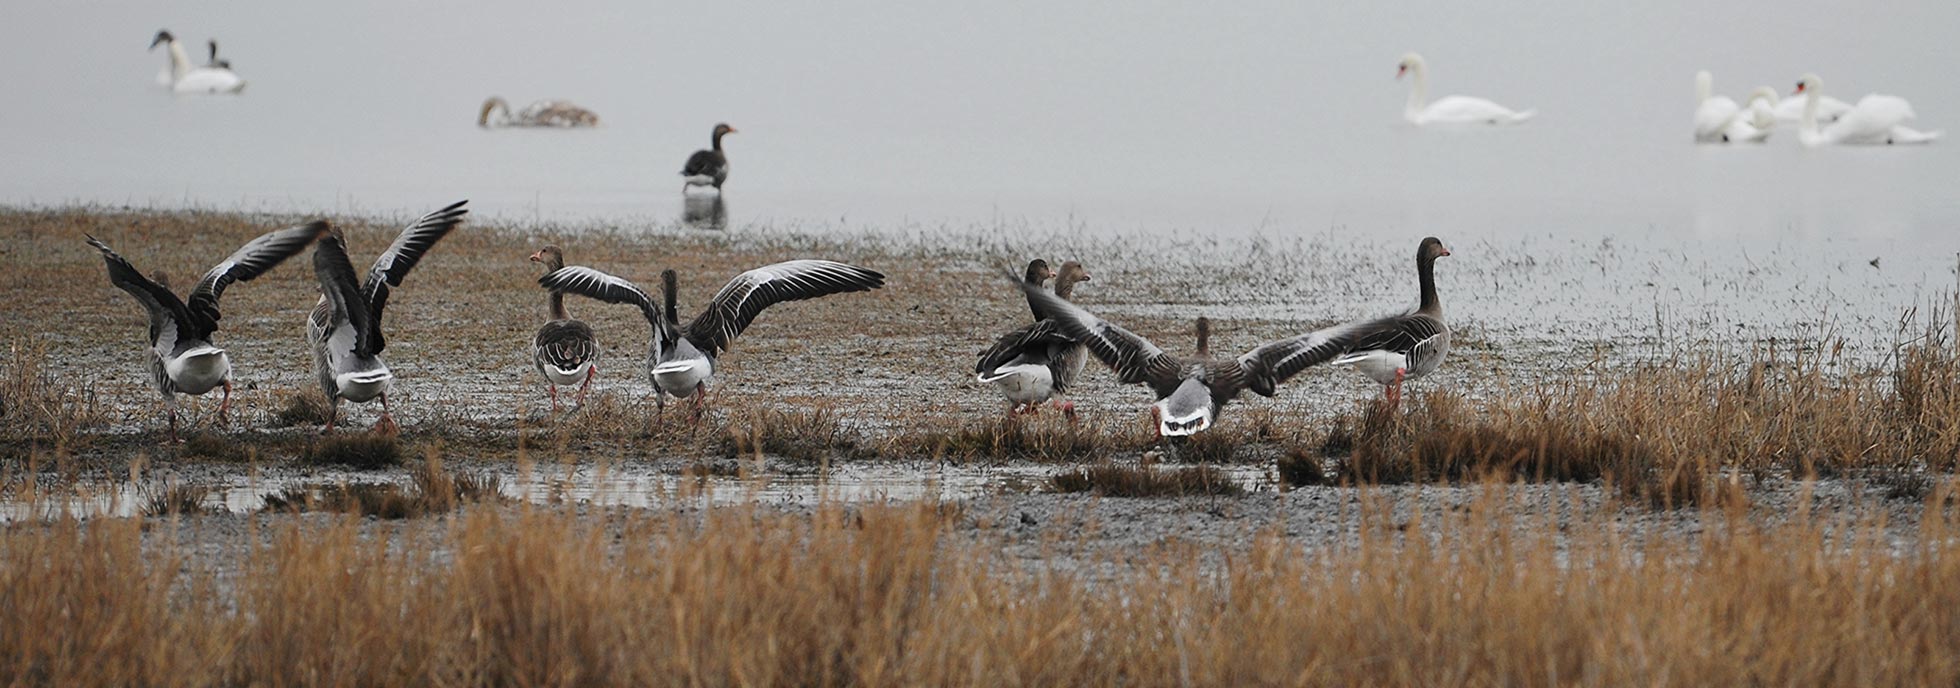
1799,90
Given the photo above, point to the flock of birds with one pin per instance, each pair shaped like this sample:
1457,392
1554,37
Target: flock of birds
1032,365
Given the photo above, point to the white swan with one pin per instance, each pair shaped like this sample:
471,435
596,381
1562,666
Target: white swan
1875,120
184,78
1450,109
1719,120
1790,110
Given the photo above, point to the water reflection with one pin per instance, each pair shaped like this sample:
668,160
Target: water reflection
704,211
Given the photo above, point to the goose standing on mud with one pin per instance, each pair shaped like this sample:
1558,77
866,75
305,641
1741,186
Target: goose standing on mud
565,351
1449,110
182,357
543,113
1409,345
1037,363
344,330
681,358
184,78
707,167
1192,390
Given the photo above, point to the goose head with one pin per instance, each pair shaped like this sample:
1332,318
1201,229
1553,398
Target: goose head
1430,249
163,38
1039,272
1072,273
551,257
722,129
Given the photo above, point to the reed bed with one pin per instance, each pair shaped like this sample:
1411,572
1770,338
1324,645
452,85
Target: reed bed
897,595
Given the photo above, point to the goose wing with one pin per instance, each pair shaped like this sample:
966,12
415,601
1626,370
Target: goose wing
168,315
701,162
1276,361
249,261
1035,338
401,256
744,297
1398,334
1133,358
593,284
344,295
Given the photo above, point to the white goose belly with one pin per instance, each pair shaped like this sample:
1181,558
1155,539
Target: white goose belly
199,370
680,378
1026,383
561,377
363,386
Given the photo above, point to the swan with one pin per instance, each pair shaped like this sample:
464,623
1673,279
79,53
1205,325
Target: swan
1450,109
1718,119
183,78
1875,120
543,113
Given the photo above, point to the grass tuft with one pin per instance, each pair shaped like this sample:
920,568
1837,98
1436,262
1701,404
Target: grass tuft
38,405
173,499
1300,468
303,408
1118,480
809,436
361,451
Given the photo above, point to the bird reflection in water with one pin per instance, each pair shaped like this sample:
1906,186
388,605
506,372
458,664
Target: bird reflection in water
704,212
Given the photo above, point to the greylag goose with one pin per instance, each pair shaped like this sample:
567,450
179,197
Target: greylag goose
344,330
1409,345
543,113
182,357
1191,390
565,351
707,167
1037,363
184,78
681,358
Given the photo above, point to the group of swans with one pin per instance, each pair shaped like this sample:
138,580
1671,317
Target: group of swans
1821,120
1450,110
214,76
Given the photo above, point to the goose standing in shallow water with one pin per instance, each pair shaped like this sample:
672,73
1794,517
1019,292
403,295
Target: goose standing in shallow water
344,330
543,113
1037,363
185,78
182,358
707,167
1449,109
565,351
681,358
1192,390
1409,345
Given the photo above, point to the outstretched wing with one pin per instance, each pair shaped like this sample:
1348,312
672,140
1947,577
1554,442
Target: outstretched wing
337,283
1276,361
1133,358
593,284
1398,333
744,297
249,261
401,256
168,316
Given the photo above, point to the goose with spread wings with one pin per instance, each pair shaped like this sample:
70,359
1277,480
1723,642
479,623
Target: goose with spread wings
1409,345
1037,363
344,330
681,358
1192,390
182,357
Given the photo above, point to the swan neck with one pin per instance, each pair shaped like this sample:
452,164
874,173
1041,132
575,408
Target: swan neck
1704,87
1418,88
180,63
1807,127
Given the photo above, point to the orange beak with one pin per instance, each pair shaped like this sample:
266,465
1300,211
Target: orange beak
537,257
1799,89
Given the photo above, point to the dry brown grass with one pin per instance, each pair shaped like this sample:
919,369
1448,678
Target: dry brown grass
889,596
37,404
357,450
433,490
1676,431
1045,438
810,436
1121,480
